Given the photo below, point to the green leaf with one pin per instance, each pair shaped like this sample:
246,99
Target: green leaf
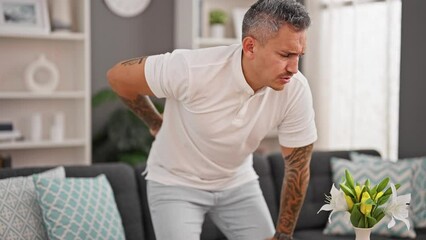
347,190
367,182
383,200
361,223
370,202
103,96
349,179
389,190
356,216
373,193
380,216
218,16
371,221
382,185
377,213
133,158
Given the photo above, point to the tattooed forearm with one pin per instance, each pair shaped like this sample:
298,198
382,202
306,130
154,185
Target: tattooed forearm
133,61
145,110
295,184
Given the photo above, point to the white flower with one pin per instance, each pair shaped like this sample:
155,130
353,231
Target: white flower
335,203
398,208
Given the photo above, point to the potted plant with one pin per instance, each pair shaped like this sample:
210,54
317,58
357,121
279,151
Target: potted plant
217,20
366,204
124,137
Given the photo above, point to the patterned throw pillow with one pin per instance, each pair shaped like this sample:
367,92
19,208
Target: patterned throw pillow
79,208
418,194
20,214
398,173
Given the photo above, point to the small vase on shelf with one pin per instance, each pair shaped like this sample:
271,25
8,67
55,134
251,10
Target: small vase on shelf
362,233
217,20
61,15
217,31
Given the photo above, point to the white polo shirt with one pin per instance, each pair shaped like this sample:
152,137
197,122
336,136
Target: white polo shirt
213,121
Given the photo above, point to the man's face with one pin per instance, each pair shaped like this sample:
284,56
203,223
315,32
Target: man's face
277,60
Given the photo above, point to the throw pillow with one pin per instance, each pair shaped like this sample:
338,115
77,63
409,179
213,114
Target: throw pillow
79,208
20,214
418,194
398,173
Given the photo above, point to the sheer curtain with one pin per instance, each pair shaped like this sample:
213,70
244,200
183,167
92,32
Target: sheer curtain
352,63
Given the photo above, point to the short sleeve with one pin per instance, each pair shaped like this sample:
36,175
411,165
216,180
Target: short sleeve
167,75
298,127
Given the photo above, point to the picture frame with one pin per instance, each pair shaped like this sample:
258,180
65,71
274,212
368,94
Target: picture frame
24,17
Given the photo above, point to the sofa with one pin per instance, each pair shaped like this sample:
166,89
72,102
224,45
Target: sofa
129,188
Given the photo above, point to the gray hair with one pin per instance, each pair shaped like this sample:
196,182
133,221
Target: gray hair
265,18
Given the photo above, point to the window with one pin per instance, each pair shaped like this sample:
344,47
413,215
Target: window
352,63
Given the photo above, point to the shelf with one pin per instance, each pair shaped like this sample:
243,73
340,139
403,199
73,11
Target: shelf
72,36
70,52
192,26
216,41
42,144
31,95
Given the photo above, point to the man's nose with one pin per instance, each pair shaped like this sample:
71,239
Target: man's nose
293,64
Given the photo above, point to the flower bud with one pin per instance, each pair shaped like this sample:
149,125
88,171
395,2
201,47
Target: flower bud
379,195
349,202
365,208
358,190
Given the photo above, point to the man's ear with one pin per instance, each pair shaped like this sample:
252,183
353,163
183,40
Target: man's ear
248,46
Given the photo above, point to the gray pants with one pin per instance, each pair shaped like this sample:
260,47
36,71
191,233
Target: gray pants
240,213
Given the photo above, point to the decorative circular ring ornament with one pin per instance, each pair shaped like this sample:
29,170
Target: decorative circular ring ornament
45,85
127,8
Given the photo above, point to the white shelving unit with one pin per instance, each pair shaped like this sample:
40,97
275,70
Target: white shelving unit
192,26
70,52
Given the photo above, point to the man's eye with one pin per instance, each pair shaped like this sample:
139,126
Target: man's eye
285,55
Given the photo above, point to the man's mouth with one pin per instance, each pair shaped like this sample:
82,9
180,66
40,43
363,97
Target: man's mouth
284,79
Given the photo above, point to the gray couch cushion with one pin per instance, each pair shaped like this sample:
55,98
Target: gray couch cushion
123,183
319,184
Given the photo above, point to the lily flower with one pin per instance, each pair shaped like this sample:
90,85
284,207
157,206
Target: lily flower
335,203
398,207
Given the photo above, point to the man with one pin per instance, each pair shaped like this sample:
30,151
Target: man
220,103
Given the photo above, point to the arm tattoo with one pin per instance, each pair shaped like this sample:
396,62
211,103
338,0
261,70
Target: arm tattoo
133,61
145,110
295,184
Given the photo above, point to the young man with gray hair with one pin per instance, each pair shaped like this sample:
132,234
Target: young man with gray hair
220,103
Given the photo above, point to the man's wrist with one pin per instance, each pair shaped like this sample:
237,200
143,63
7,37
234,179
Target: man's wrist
282,236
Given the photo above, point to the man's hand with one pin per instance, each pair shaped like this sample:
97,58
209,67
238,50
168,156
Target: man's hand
154,131
289,238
